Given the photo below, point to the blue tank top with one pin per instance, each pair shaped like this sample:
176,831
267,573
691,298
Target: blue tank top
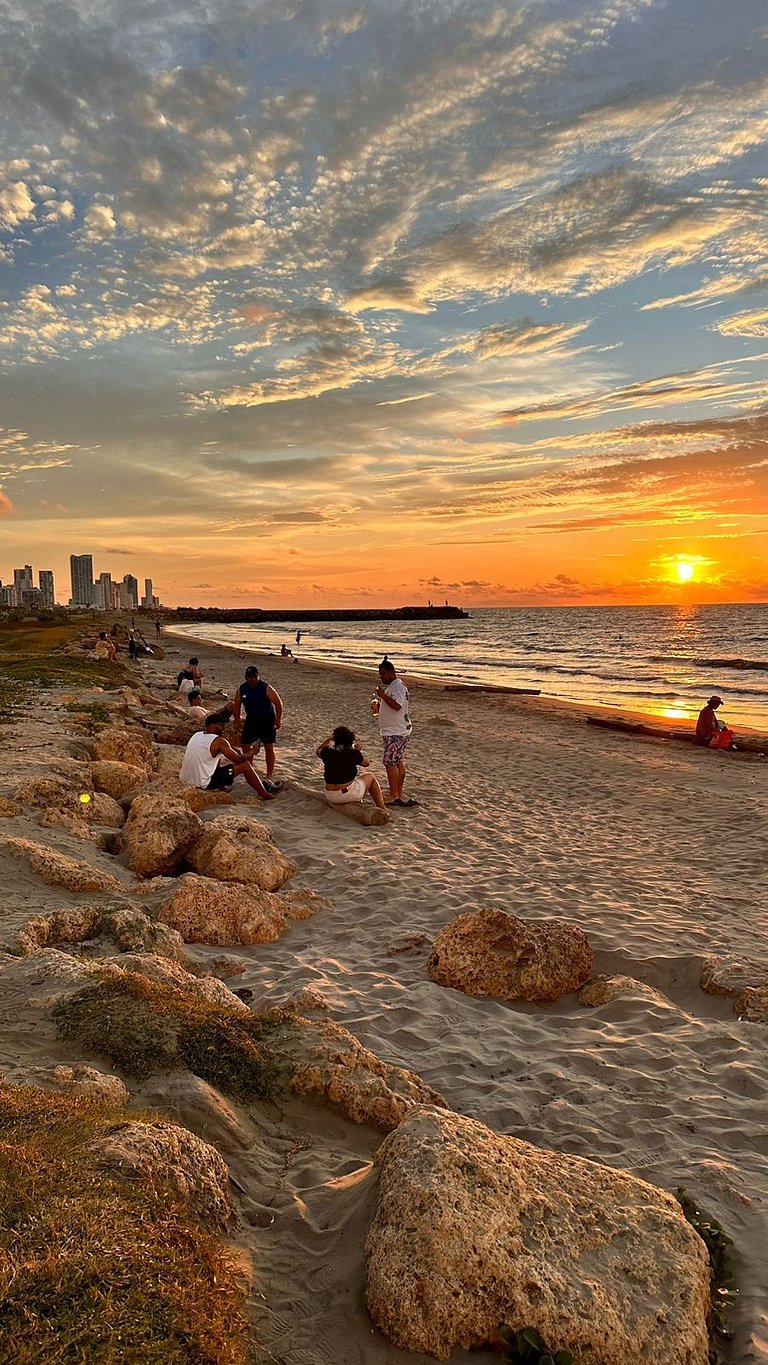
255,701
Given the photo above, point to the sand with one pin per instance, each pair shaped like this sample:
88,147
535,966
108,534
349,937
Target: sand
655,849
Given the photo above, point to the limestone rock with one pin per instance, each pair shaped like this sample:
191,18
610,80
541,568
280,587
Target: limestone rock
134,932
117,744
199,1107
87,1081
45,974
234,848
730,976
115,778
752,1004
74,925
602,989
8,808
208,911
226,967
327,1062
157,834
474,1230
76,826
195,798
59,870
488,952
167,972
168,1158
45,791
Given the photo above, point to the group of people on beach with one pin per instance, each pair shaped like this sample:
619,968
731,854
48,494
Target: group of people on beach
212,762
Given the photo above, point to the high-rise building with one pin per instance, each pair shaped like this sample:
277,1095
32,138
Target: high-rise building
81,569
131,587
47,591
7,596
148,600
102,592
22,582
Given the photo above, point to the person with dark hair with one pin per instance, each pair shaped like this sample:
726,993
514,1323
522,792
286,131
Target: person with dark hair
263,708
342,761
394,727
212,764
711,733
105,649
190,677
196,712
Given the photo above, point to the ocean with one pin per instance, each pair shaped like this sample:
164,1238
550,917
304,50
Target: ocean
665,661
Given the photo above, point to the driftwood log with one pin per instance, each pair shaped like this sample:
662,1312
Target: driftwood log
754,744
362,812
507,691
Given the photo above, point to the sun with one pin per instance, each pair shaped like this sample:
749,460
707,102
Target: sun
685,570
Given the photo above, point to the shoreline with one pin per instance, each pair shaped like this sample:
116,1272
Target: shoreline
544,703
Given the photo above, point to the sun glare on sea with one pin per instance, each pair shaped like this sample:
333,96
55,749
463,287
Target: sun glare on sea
685,570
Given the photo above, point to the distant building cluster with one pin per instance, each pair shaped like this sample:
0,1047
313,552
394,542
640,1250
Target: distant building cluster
103,593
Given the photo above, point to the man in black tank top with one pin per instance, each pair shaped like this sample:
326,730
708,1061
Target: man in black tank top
263,708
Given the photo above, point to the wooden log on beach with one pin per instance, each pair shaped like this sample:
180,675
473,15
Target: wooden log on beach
507,691
362,812
751,744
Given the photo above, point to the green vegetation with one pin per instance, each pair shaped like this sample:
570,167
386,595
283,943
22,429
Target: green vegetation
32,655
722,1278
143,1027
93,715
97,1268
527,1346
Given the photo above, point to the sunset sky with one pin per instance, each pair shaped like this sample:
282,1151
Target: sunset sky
310,303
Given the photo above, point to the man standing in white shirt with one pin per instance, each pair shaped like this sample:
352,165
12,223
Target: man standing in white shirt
395,729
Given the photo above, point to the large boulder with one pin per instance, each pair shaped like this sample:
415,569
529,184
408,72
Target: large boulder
157,834
166,971
119,745
114,778
208,911
59,870
234,848
168,1158
474,1230
134,932
731,976
488,952
74,925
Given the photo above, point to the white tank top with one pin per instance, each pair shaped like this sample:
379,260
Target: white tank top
199,764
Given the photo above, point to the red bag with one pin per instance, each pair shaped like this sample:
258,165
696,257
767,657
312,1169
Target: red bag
722,740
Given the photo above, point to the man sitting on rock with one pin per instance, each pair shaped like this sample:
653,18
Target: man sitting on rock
211,763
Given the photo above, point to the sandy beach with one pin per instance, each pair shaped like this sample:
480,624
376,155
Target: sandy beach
656,850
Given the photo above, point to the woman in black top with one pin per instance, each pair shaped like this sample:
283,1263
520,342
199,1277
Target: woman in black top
342,762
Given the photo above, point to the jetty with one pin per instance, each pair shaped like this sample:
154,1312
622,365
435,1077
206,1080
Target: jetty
257,615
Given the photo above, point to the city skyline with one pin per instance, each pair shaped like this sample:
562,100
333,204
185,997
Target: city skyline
366,303
103,593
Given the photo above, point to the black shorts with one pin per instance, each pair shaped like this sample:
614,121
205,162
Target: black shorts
224,776
258,727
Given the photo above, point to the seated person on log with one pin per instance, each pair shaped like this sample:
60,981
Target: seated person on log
341,763
105,649
211,763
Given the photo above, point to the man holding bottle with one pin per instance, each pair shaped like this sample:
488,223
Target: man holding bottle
390,703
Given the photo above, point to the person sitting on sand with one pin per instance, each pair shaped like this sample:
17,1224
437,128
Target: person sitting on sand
712,733
190,677
285,652
394,727
263,708
341,763
196,712
104,648
211,763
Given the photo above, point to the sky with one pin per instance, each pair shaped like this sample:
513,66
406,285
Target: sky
370,302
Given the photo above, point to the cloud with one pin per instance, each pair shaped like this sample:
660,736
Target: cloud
753,324
525,335
401,295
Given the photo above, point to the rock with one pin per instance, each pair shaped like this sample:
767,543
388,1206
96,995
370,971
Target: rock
226,967
76,826
488,952
409,943
201,1108
603,989
46,973
170,787
234,848
208,911
103,810
752,1004
59,870
730,976
157,834
63,926
8,808
473,1230
116,778
46,791
119,745
168,1158
167,972
87,1081
329,1063
134,932
307,1001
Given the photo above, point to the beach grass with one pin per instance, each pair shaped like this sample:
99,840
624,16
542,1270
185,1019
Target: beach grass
33,656
97,1268
143,1027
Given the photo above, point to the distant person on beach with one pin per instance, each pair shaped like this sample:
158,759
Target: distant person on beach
394,727
285,652
211,763
298,637
196,711
263,708
341,761
158,629
190,677
105,649
132,645
712,733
